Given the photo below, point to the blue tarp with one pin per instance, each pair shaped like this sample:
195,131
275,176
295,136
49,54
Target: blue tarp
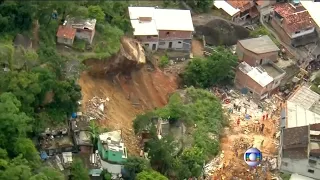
74,115
43,155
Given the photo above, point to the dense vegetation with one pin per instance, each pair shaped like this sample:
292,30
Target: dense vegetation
37,92
218,68
192,106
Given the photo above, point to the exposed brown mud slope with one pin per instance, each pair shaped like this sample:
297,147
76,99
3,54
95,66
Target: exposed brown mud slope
132,86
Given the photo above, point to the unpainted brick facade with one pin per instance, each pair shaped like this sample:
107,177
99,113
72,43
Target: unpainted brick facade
255,59
166,35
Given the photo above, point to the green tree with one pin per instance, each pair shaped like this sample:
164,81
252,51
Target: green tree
135,165
161,153
142,122
26,148
97,13
193,159
14,123
200,5
47,173
219,68
79,171
150,175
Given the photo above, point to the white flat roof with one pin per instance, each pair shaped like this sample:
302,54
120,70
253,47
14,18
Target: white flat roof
136,12
226,7
173,19
299,177
261,78
144,28
113,135
299,108
313,9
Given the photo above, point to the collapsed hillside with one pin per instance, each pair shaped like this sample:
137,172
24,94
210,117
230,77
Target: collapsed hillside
132,85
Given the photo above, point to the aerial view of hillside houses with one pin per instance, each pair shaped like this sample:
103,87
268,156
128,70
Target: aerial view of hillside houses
160,90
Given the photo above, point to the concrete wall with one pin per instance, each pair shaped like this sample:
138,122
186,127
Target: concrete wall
254,59
300,166
165,35
176,44
62,40
85,34
152,46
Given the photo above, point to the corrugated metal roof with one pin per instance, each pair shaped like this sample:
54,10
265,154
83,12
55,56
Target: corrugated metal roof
299,108
259,45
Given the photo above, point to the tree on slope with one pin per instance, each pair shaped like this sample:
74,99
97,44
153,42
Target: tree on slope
150,175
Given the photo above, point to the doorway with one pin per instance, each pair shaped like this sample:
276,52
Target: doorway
170,44
154,46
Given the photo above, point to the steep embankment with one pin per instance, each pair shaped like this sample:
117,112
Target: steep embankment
131,85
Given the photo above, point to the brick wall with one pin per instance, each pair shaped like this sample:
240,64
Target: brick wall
244,81
281,33
171,35
147,38
254,59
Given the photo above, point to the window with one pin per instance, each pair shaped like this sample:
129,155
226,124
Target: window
167,33
297,32
285,164
310,171
179,42
155,36
146,45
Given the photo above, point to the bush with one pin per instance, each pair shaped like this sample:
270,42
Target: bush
164,61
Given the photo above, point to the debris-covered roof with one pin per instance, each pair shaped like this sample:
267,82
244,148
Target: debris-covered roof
259,45
296,17
78,23
242,4
295,142
66,32
114,136
295,137
83,138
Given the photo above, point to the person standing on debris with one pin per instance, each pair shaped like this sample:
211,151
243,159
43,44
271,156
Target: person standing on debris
266,116
263,117
262,128
238,121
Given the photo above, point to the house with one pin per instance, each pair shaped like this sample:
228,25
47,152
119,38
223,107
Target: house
162,28
56,141
294,24
260,81
257,51
296,176
79,125
302,108
66,35
313,6
111,147
300,150
238,10
76,28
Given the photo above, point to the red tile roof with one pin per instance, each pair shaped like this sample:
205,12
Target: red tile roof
296,17
66,32
240,4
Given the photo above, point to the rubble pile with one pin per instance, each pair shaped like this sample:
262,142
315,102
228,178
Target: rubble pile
95,108
214,165
241,143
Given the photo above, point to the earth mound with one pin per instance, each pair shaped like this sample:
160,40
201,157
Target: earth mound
221,32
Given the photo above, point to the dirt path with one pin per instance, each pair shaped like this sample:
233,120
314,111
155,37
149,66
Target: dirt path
147,90
197,48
